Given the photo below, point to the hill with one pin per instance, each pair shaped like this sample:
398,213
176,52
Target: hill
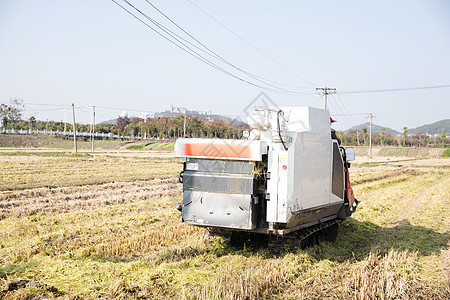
232,121
376,129
112,121
434,128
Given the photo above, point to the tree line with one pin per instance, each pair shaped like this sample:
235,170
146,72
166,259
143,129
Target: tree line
172,128
163,127
194,126
355,138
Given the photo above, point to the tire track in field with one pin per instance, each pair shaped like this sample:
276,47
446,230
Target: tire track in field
51,201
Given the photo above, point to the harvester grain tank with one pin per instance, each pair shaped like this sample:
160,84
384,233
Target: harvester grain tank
289,178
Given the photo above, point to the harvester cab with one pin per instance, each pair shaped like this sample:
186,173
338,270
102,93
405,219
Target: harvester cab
289,177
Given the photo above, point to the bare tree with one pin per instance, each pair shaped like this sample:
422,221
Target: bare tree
11,113
122,122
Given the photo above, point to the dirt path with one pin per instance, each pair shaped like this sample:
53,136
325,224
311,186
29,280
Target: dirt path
124,153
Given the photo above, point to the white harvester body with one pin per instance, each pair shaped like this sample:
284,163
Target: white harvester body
287,175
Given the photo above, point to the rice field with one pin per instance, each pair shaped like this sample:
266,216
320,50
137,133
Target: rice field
26,170
89,227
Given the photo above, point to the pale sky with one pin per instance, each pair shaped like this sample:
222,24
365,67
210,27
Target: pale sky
93,53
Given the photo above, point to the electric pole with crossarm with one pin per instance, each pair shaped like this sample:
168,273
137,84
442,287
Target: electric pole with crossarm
326,91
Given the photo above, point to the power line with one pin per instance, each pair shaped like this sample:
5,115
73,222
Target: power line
193,53
45,104
348,121
253,46
82,110
339,107
398,89
124,109
189,50
211,52
331,108
213,55
345,109
44,109
66,107
342,121
362,114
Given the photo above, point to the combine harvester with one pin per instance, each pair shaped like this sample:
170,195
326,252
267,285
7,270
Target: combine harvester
288,180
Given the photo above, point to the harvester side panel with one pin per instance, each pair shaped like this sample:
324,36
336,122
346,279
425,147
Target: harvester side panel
272,187
300,179
312,177
235,211
338,172
218,193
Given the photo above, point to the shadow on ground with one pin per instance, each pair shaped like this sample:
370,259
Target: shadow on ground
354,242
357,239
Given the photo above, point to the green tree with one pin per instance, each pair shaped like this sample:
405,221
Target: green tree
405,131
364,130
443,137
122,122
178,124
383,130
4,122
32,121
132,129
195,126
3,113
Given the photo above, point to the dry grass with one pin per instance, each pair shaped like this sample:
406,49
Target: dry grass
56,142
19,203
29,172
126,240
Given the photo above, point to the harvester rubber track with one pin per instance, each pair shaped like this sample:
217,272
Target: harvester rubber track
301,239
305,238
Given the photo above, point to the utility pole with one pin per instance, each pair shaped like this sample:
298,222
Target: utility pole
370,135
326,91
65,119
420,138
184,126
74,129
93,128
357,137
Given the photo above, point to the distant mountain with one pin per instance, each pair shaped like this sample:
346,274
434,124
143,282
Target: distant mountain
434,128
376,129
232,121
112,121
201,115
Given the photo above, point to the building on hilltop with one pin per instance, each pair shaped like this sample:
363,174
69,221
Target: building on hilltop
204,112
183,110
177,110
207,115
